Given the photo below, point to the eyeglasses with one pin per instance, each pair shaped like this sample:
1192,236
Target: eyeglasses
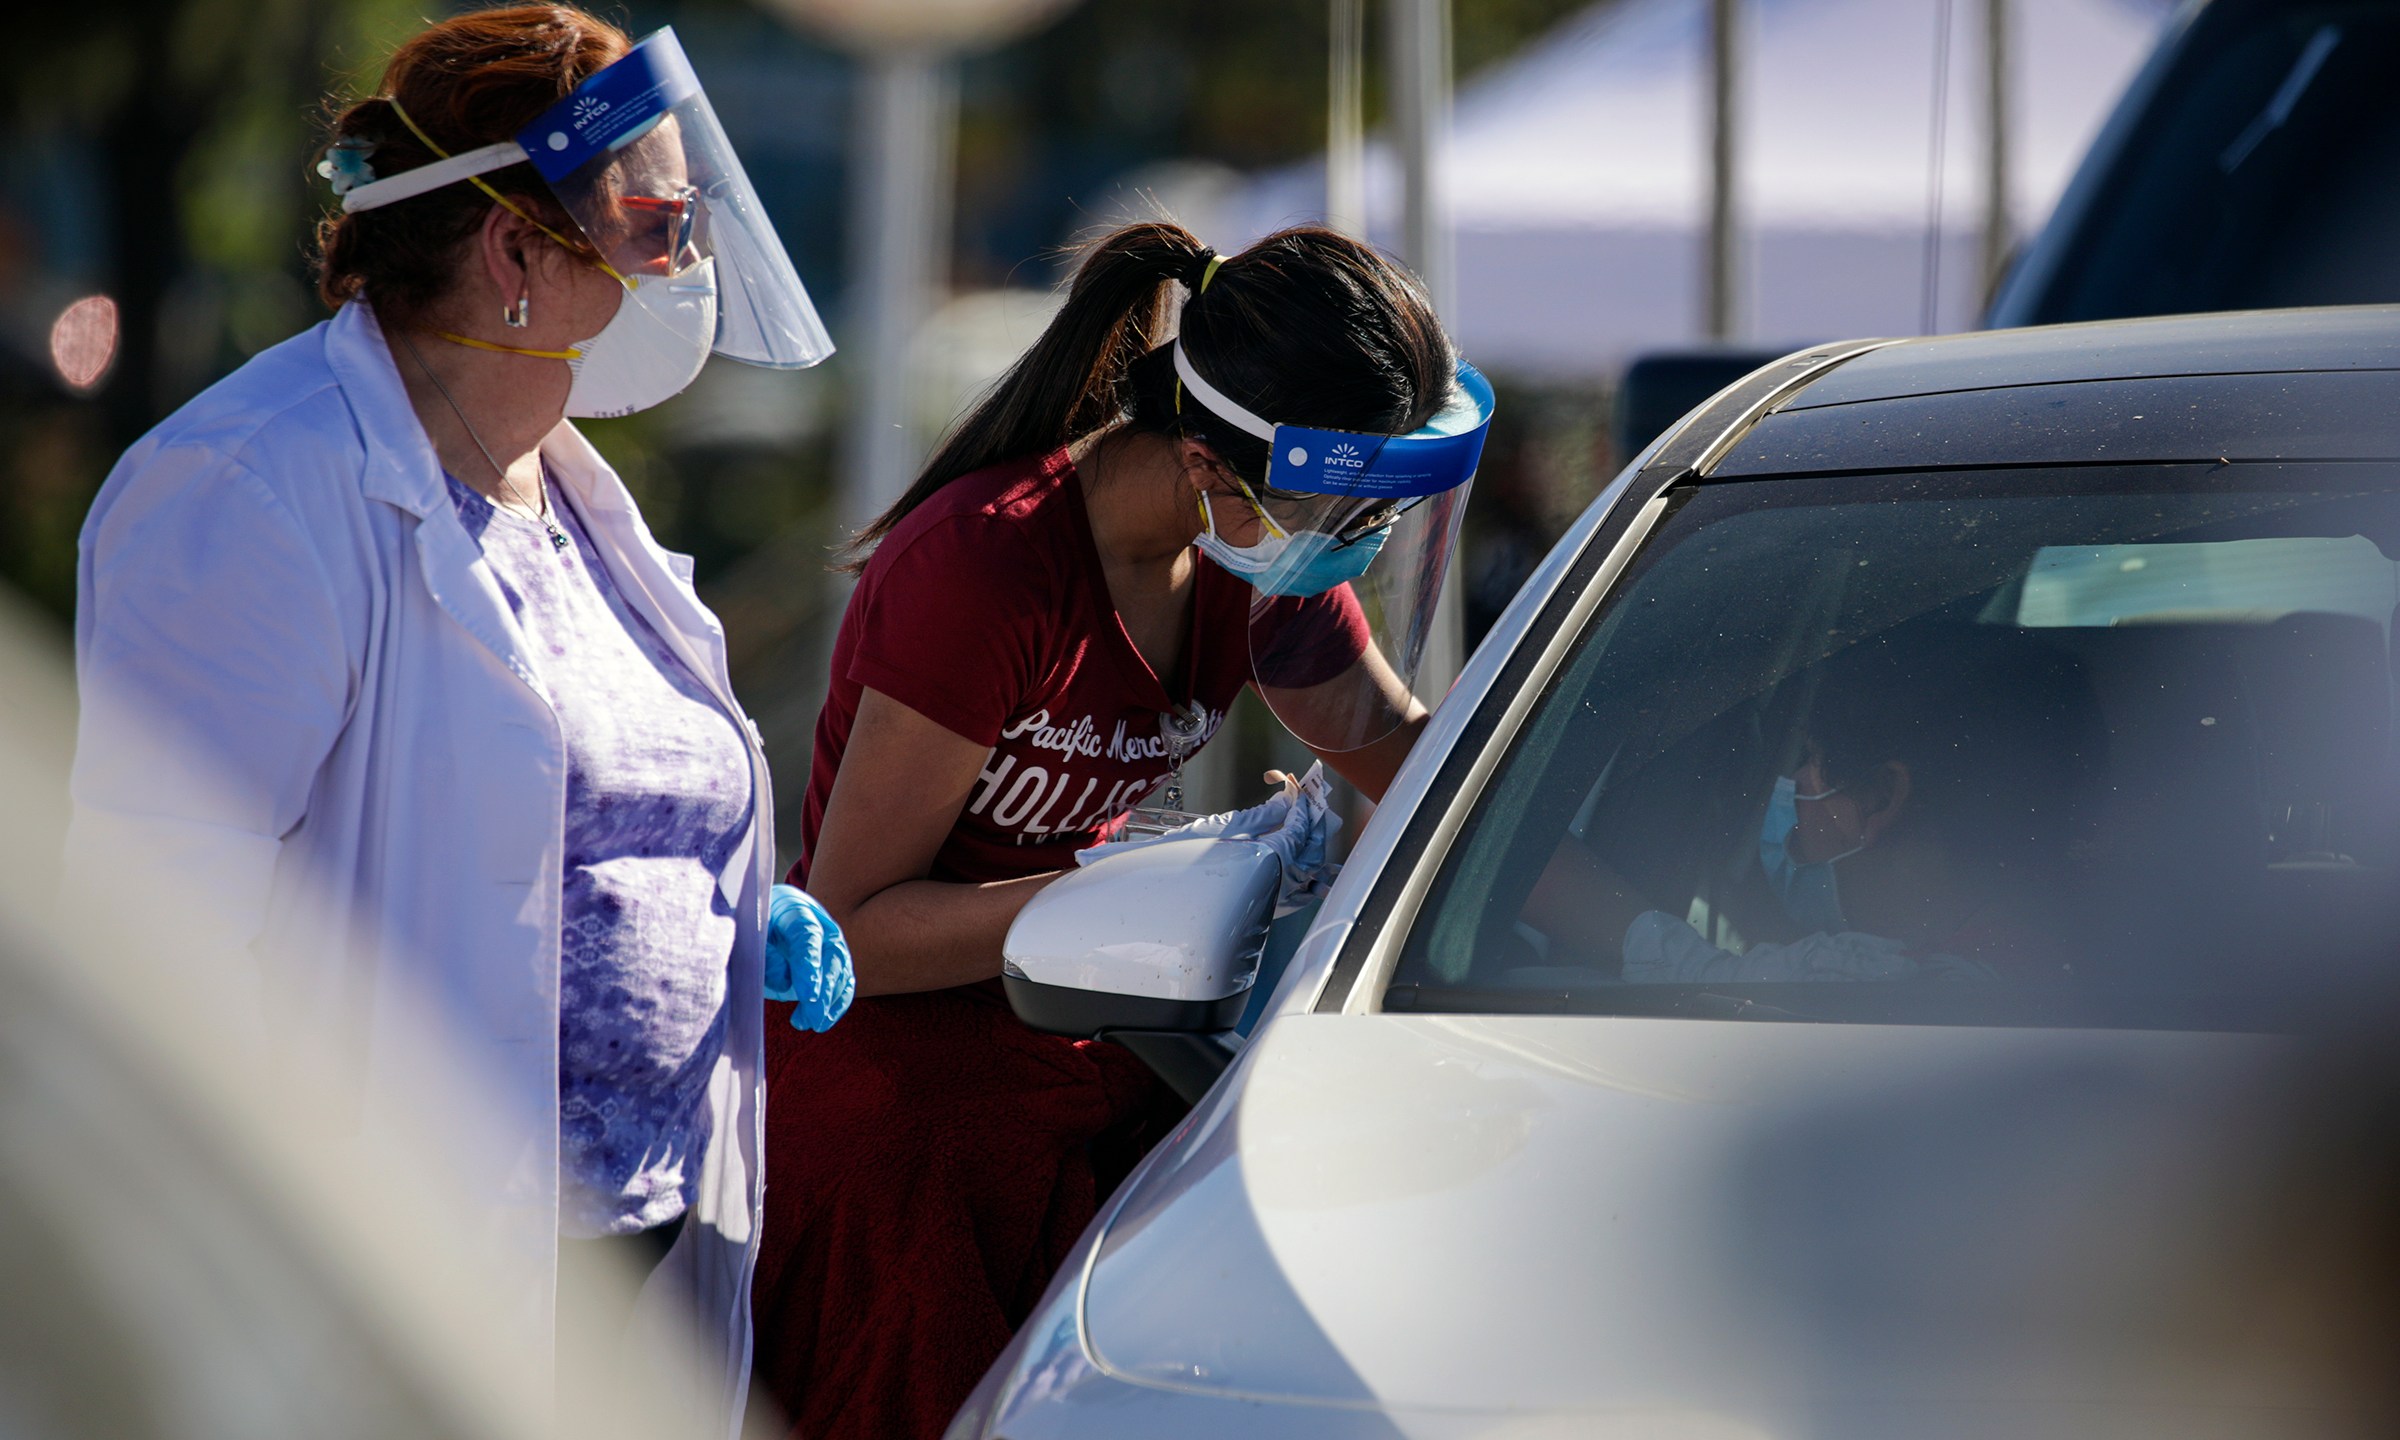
1296,506
1258,507
1378,518
674,221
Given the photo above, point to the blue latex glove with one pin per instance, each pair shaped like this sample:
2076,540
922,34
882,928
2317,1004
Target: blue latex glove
807,959
1300,837
1296,824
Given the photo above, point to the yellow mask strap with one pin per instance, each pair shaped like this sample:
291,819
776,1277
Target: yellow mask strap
1208,522
1260,510
1208,273
1205,518
504,203
474,344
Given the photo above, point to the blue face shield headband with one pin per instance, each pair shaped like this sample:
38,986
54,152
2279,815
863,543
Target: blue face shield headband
1346,550
637,157
1437,456
1366,480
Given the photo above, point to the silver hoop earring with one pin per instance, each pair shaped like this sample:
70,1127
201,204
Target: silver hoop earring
515,317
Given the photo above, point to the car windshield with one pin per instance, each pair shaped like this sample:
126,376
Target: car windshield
2084,747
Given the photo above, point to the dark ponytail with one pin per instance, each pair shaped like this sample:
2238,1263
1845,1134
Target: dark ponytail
1072,381
1306,326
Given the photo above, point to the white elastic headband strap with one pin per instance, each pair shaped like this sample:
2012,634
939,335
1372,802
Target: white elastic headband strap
1215,400
409,184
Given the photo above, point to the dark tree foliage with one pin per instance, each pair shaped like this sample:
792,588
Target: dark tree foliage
176,136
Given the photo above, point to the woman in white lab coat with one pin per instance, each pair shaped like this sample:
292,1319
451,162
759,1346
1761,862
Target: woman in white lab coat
379,659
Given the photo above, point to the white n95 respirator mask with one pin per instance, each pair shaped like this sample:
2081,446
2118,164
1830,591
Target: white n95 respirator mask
651,350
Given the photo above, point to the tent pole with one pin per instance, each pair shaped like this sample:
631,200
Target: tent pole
1999,235
1345,119
1420,85
1420,121
900,259
1724,76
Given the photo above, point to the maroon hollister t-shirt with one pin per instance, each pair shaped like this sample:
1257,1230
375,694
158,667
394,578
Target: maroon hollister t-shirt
987,612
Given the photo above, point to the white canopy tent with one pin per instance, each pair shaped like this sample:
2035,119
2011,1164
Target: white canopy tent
1579,173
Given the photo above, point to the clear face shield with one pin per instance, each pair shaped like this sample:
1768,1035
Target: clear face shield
1346,546
637,158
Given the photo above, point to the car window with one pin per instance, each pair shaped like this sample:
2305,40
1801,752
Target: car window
2077,747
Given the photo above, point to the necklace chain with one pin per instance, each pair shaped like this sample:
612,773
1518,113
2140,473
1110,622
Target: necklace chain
1180,727
541,507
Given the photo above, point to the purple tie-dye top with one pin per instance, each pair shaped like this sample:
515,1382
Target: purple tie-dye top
658,798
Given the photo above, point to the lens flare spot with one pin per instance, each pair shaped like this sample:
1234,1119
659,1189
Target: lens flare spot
83,342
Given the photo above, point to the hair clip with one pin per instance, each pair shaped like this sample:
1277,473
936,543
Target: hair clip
345,164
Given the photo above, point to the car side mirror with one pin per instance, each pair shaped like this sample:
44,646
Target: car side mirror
1155,948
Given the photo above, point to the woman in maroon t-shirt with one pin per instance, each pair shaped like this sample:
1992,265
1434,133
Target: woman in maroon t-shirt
1032,608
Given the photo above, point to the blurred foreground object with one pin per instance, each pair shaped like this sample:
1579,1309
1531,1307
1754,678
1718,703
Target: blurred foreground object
190,1245
935,25
83,343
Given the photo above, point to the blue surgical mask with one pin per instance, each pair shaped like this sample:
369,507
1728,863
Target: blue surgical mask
1306,562
1316,562
1809,893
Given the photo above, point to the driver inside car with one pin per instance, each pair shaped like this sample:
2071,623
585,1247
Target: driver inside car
1924,831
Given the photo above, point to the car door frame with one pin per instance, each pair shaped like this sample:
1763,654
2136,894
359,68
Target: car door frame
1344,961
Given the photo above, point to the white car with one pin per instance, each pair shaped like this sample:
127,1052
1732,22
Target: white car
1622,1089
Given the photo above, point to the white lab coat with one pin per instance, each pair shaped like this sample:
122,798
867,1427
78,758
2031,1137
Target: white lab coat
273,584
